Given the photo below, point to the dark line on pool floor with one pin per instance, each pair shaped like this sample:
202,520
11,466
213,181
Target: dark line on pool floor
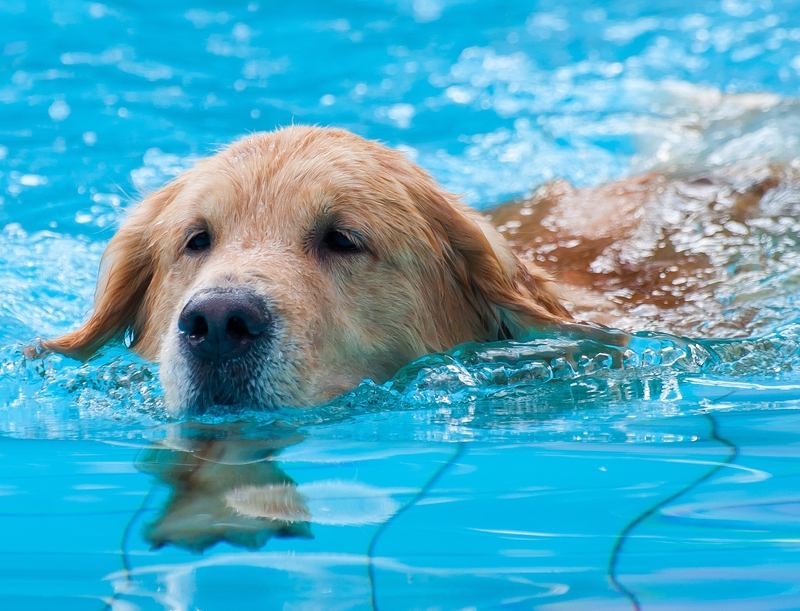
616,552
126,563
409,504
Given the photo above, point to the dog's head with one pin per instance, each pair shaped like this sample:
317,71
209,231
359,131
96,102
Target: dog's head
294,264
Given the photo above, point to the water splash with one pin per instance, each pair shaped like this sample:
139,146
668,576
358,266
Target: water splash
115,395
477,385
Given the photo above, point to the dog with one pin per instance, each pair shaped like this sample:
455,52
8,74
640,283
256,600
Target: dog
294,264
291,266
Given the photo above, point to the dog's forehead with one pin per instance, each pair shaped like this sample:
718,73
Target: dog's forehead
285,187
295,175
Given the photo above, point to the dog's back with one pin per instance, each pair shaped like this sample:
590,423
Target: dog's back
659,251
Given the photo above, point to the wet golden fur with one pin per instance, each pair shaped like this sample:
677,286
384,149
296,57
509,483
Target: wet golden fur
433,273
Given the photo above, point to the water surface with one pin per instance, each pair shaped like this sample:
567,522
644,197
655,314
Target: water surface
487,478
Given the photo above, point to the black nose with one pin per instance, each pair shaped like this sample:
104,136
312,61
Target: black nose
220,324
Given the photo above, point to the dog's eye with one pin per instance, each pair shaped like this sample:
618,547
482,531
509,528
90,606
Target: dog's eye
339,242
199,242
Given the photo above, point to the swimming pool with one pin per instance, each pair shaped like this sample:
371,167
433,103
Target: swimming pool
460,484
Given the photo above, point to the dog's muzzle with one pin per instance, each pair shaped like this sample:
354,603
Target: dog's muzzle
220,325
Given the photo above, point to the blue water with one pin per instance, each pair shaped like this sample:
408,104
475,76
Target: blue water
491,477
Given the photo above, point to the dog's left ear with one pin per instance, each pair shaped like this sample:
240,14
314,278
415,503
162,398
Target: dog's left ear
508,295
127,268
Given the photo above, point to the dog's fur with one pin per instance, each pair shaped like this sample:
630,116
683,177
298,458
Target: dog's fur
432,272
661,251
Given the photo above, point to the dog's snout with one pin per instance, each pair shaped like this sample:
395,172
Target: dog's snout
220,325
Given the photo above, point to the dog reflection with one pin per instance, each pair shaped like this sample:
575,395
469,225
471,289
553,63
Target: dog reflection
224,487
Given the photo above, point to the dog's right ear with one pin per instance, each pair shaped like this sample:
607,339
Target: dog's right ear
126,270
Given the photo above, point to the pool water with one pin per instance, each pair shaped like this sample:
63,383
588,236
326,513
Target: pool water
489,477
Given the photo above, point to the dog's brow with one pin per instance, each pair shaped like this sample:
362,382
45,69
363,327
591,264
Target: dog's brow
195,226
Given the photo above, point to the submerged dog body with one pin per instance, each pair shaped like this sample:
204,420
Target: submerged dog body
294,264
686,253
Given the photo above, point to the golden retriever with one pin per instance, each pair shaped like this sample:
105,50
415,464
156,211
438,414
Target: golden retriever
294,264
291,266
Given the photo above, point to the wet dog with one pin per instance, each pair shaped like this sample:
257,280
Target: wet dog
294,264
291,266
